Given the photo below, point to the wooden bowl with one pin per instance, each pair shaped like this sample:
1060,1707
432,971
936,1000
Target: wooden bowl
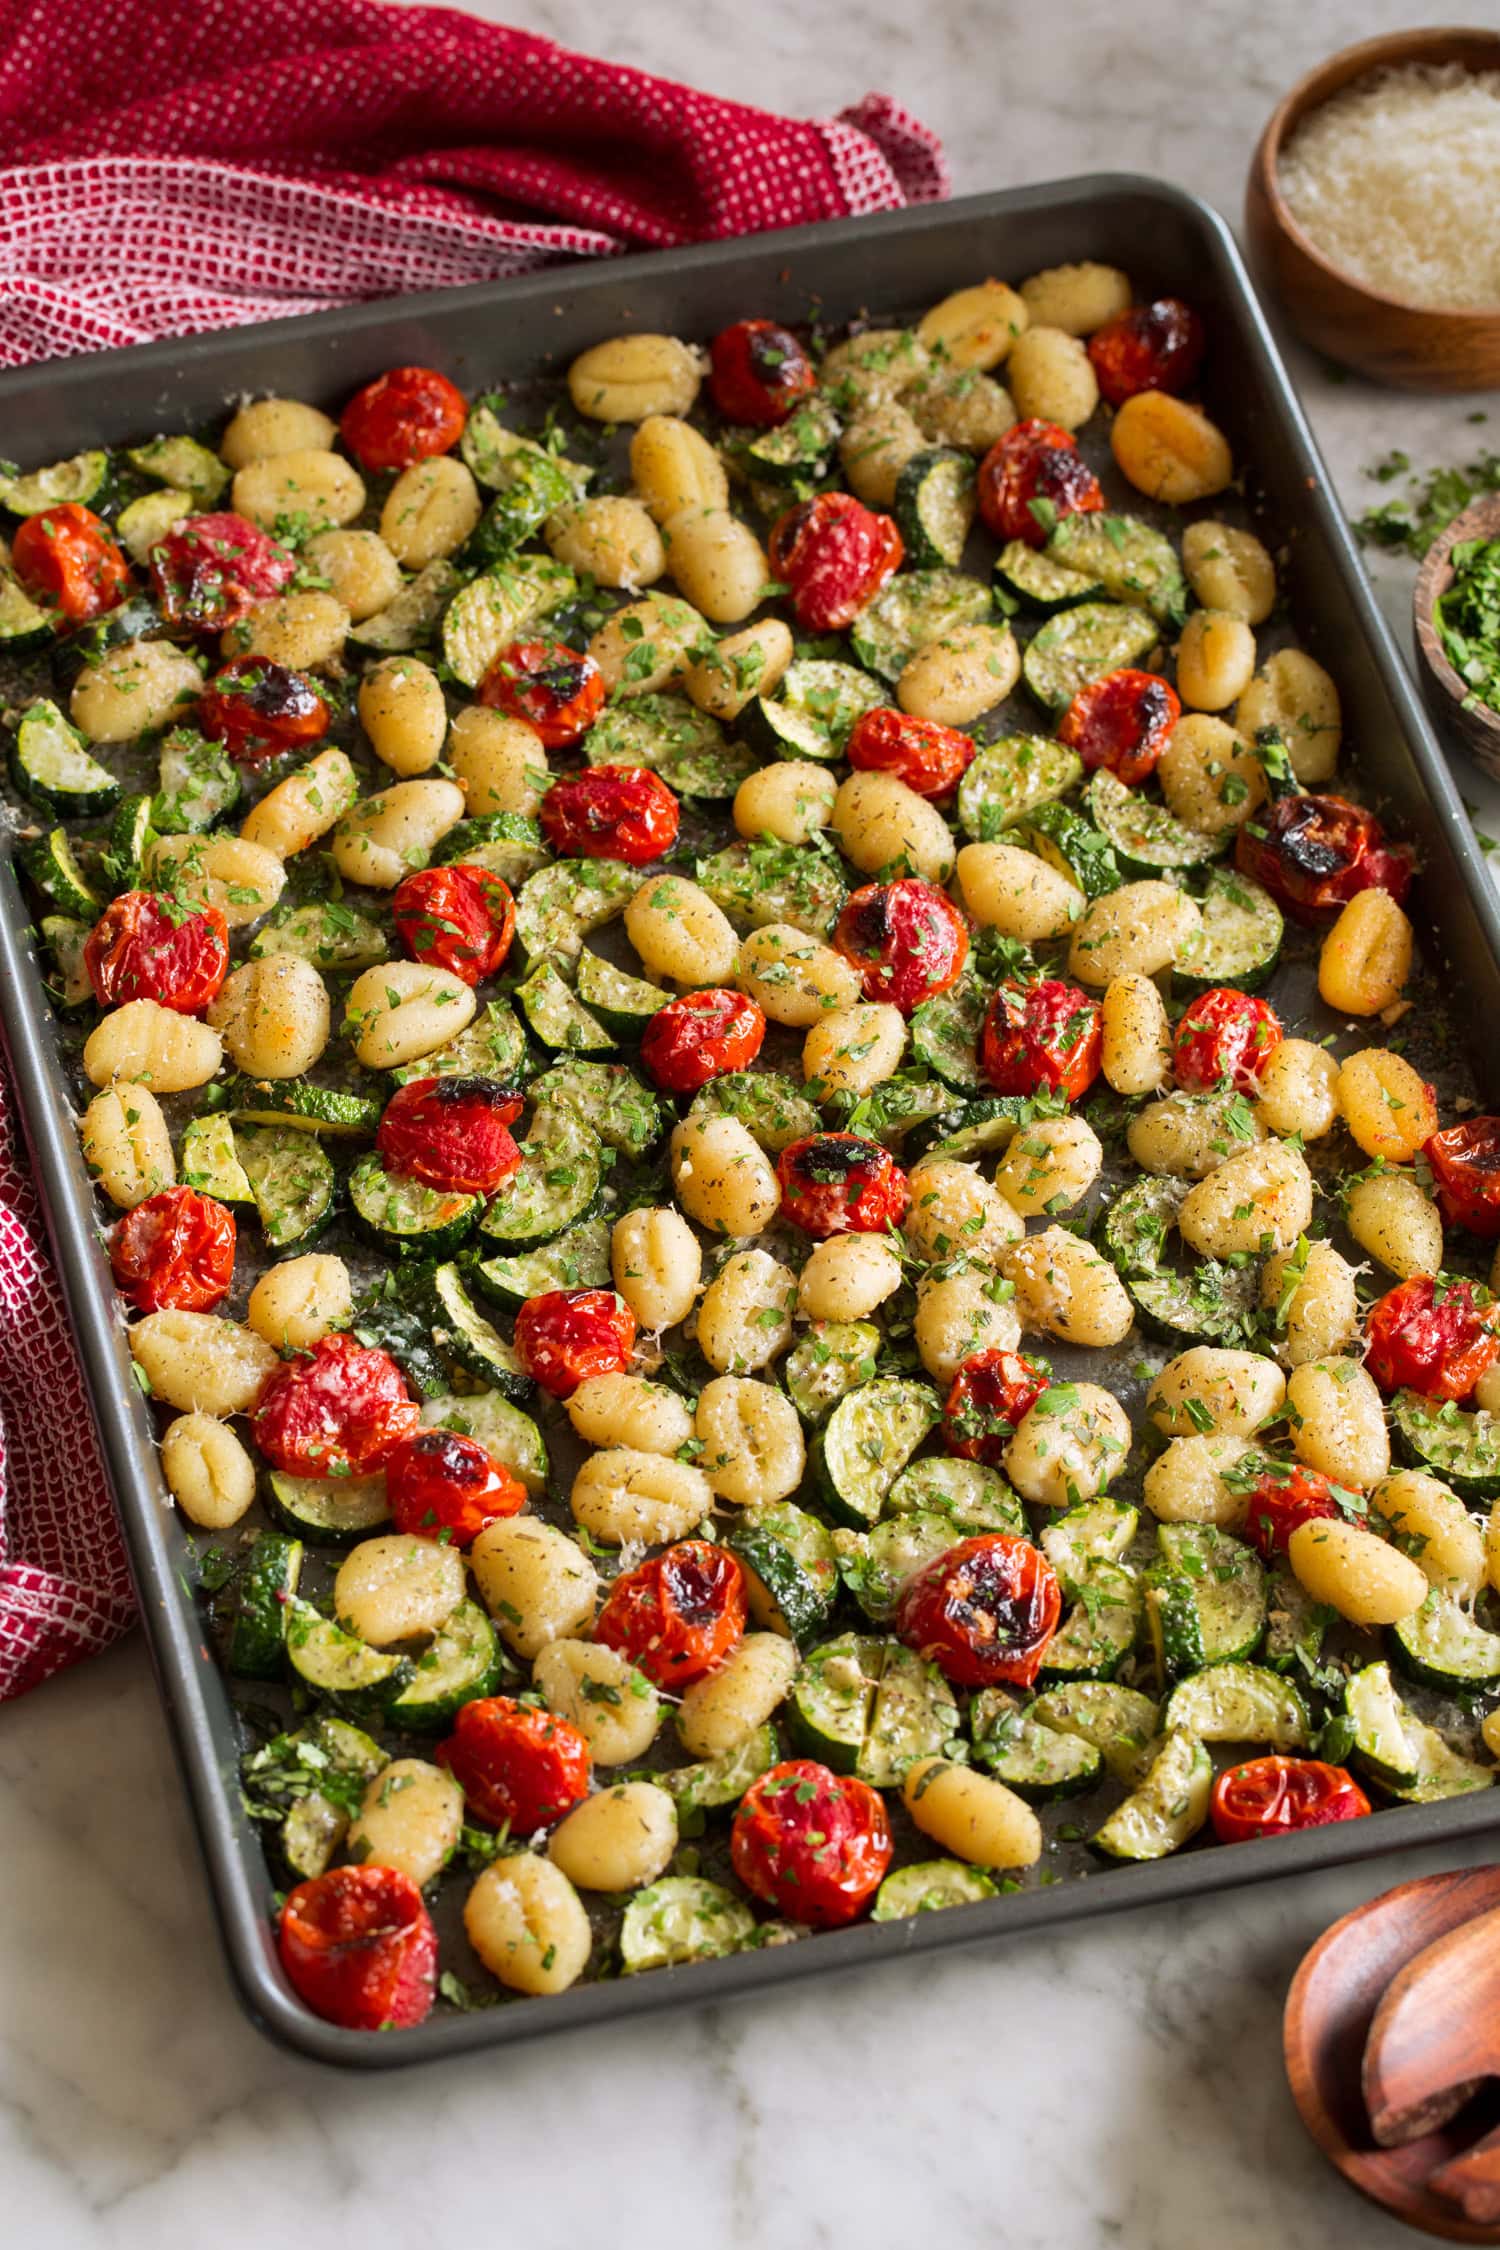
1476,725
1417,347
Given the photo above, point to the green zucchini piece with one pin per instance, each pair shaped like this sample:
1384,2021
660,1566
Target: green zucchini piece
871,1707
1461,1448
1444,1644
130,833
492,1046
1095,1531
975,1129
791,1567
866,1443
358,1680
1040,1762
53,866
1167,1810
536,487
914,1716
184,462
576,1259
406,1214
311,1834
197,783
498,1425
1387,1737
292,1180
891,1110
608,1099
1173,1626
813,712
558,906
82,478
1120,1722
834,1358
623,1004
716,1783
1203,1301
1132,560
911,611
1146,840
1445,1773
52,767
1239,939
1228,1583
1071,845
411,620
1009,779
499,607
926,1886
23,625
875,1565
1038,581
1100,1629
209,1161
497,457
510,845
262,1591
329,933
945,1034
562,1165
687,747
769,882
797,451
773,1110
462,1662
1240,1703
145,522
292,1105
970,1496
311,1783
334,1511
385,1324
68,982
934,507
556,1018
682,1918
1082,644
463,1335
1296,1627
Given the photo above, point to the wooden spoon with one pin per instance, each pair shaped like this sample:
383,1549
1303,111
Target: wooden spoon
1435,2037
1329,2012
1476,724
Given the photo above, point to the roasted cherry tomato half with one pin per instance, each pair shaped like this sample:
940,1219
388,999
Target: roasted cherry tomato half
757,372
174,1252
444,1486
1031,478
834,554
566,1335
1436,1337
519,1768
402,417
210,571
1465,1162
611,812
1042,1038
1155,347
990,1394
358,1946
701,1036
930,758
459,918
907,939
148,948
837,1183
1313,853
68,562
1280,1501
1225,1038
1270,1796
258,709
335,1412
983,1612
678,1614
1122,721
815,1845
454,1133
557,690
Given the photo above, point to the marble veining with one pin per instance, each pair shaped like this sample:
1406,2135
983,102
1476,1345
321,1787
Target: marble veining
1116,2087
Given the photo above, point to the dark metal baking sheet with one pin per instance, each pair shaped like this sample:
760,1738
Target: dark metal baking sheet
505,330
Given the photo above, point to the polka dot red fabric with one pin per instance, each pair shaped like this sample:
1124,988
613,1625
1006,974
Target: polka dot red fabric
161,172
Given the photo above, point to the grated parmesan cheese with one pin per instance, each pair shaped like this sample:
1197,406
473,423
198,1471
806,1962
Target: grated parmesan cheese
1396,181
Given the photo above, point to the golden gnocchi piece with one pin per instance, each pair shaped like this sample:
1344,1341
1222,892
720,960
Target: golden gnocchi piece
957,406
1187,1136
633,378
208,1471
1355,1572
792,800
1015,892
614,1707
126,1144
722,1177
611,539
717,562
1050,1166
855,1049
295,1303
954,1211
1215,660
1256,1202
620,1496
960,1310
873,368
1293,694
135,689
738,668
1069,1446
680,933
1210,775
1078,298
650,644
146,1044
657,1266
617,1840
1169,449
535,1582
1297,1092
1051,377
972,1815
884,828
1391,1217
527,1924
293,815
1366,957
401,709
382,839
1138,930
675,467
360,571
629,1411
241,877
1065,1288
400,1011
745,1318
1311,1292
875,447
268,426
1338,1422
956,679
846,1277
307,487
273,1016
1136,1055
1388,1107
397,1587
1234,1392
719,1713
305,631
1435,1528
411,1818
750,1440
1229,570
202,1363
793,978
498,762
430,511
1196,1481
975,327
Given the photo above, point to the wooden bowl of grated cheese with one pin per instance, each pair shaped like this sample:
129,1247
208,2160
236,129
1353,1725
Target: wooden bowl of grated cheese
1373,209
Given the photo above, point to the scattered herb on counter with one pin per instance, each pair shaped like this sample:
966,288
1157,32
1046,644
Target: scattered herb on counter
1467,617
1409,526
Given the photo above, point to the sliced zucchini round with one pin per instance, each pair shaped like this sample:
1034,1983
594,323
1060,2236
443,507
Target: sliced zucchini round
500,1427
53,865
911,610
385,1324
1095,1531
1132,560
830,1361
292,1180
510,845
875,1565
1010,778
871,1707
197,783
682,1918
1228,1583
556,1018
184,462
687,747
797,451
773,1110
926,1886
1240,1703
358,1680
1200,1301
330,934
463,1662
406,1214
790,1565
769,882
576,1259
23,625
1071,845
209,1161
1100,1629
293,1105
52,767
499,607
623,1004
1082,644
558,905
1038,581
972,1497
335,1511
492,1046
1461,1448
934,507
866,1443
562,1164
1167,1810
1445,1644
82,478
1039,1762
261,1594
1238,941
813,711
1120,1722
945,1034
1146,839
716,1783
411,620
145,522
607,1099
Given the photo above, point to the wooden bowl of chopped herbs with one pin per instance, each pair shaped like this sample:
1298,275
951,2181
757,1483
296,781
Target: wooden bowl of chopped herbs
1456,613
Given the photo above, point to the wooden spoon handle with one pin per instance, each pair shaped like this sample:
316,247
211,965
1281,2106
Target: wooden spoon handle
1472,2180
1435,2034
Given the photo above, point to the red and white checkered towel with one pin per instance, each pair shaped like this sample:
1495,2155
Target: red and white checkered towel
174,165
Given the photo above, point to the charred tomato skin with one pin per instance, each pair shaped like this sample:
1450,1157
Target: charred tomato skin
678,1615
1031,477
834,554
930,758
1313,853
358,1947
174,1252
1150,347
405,416
611,812
1465,1161
1225,1038
907,939
1124,721
1436,1337
1282,1500
451,1133
68,562
1041,1038
983,1612
336,1411
258,709
814,1844
758,372
1273,1795
558,691
520,1769
210,571
442,1485
144,948
991,1393
702,1035
839,1183
564,1336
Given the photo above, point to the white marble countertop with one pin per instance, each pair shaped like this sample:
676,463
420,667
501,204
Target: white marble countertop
1118,2087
